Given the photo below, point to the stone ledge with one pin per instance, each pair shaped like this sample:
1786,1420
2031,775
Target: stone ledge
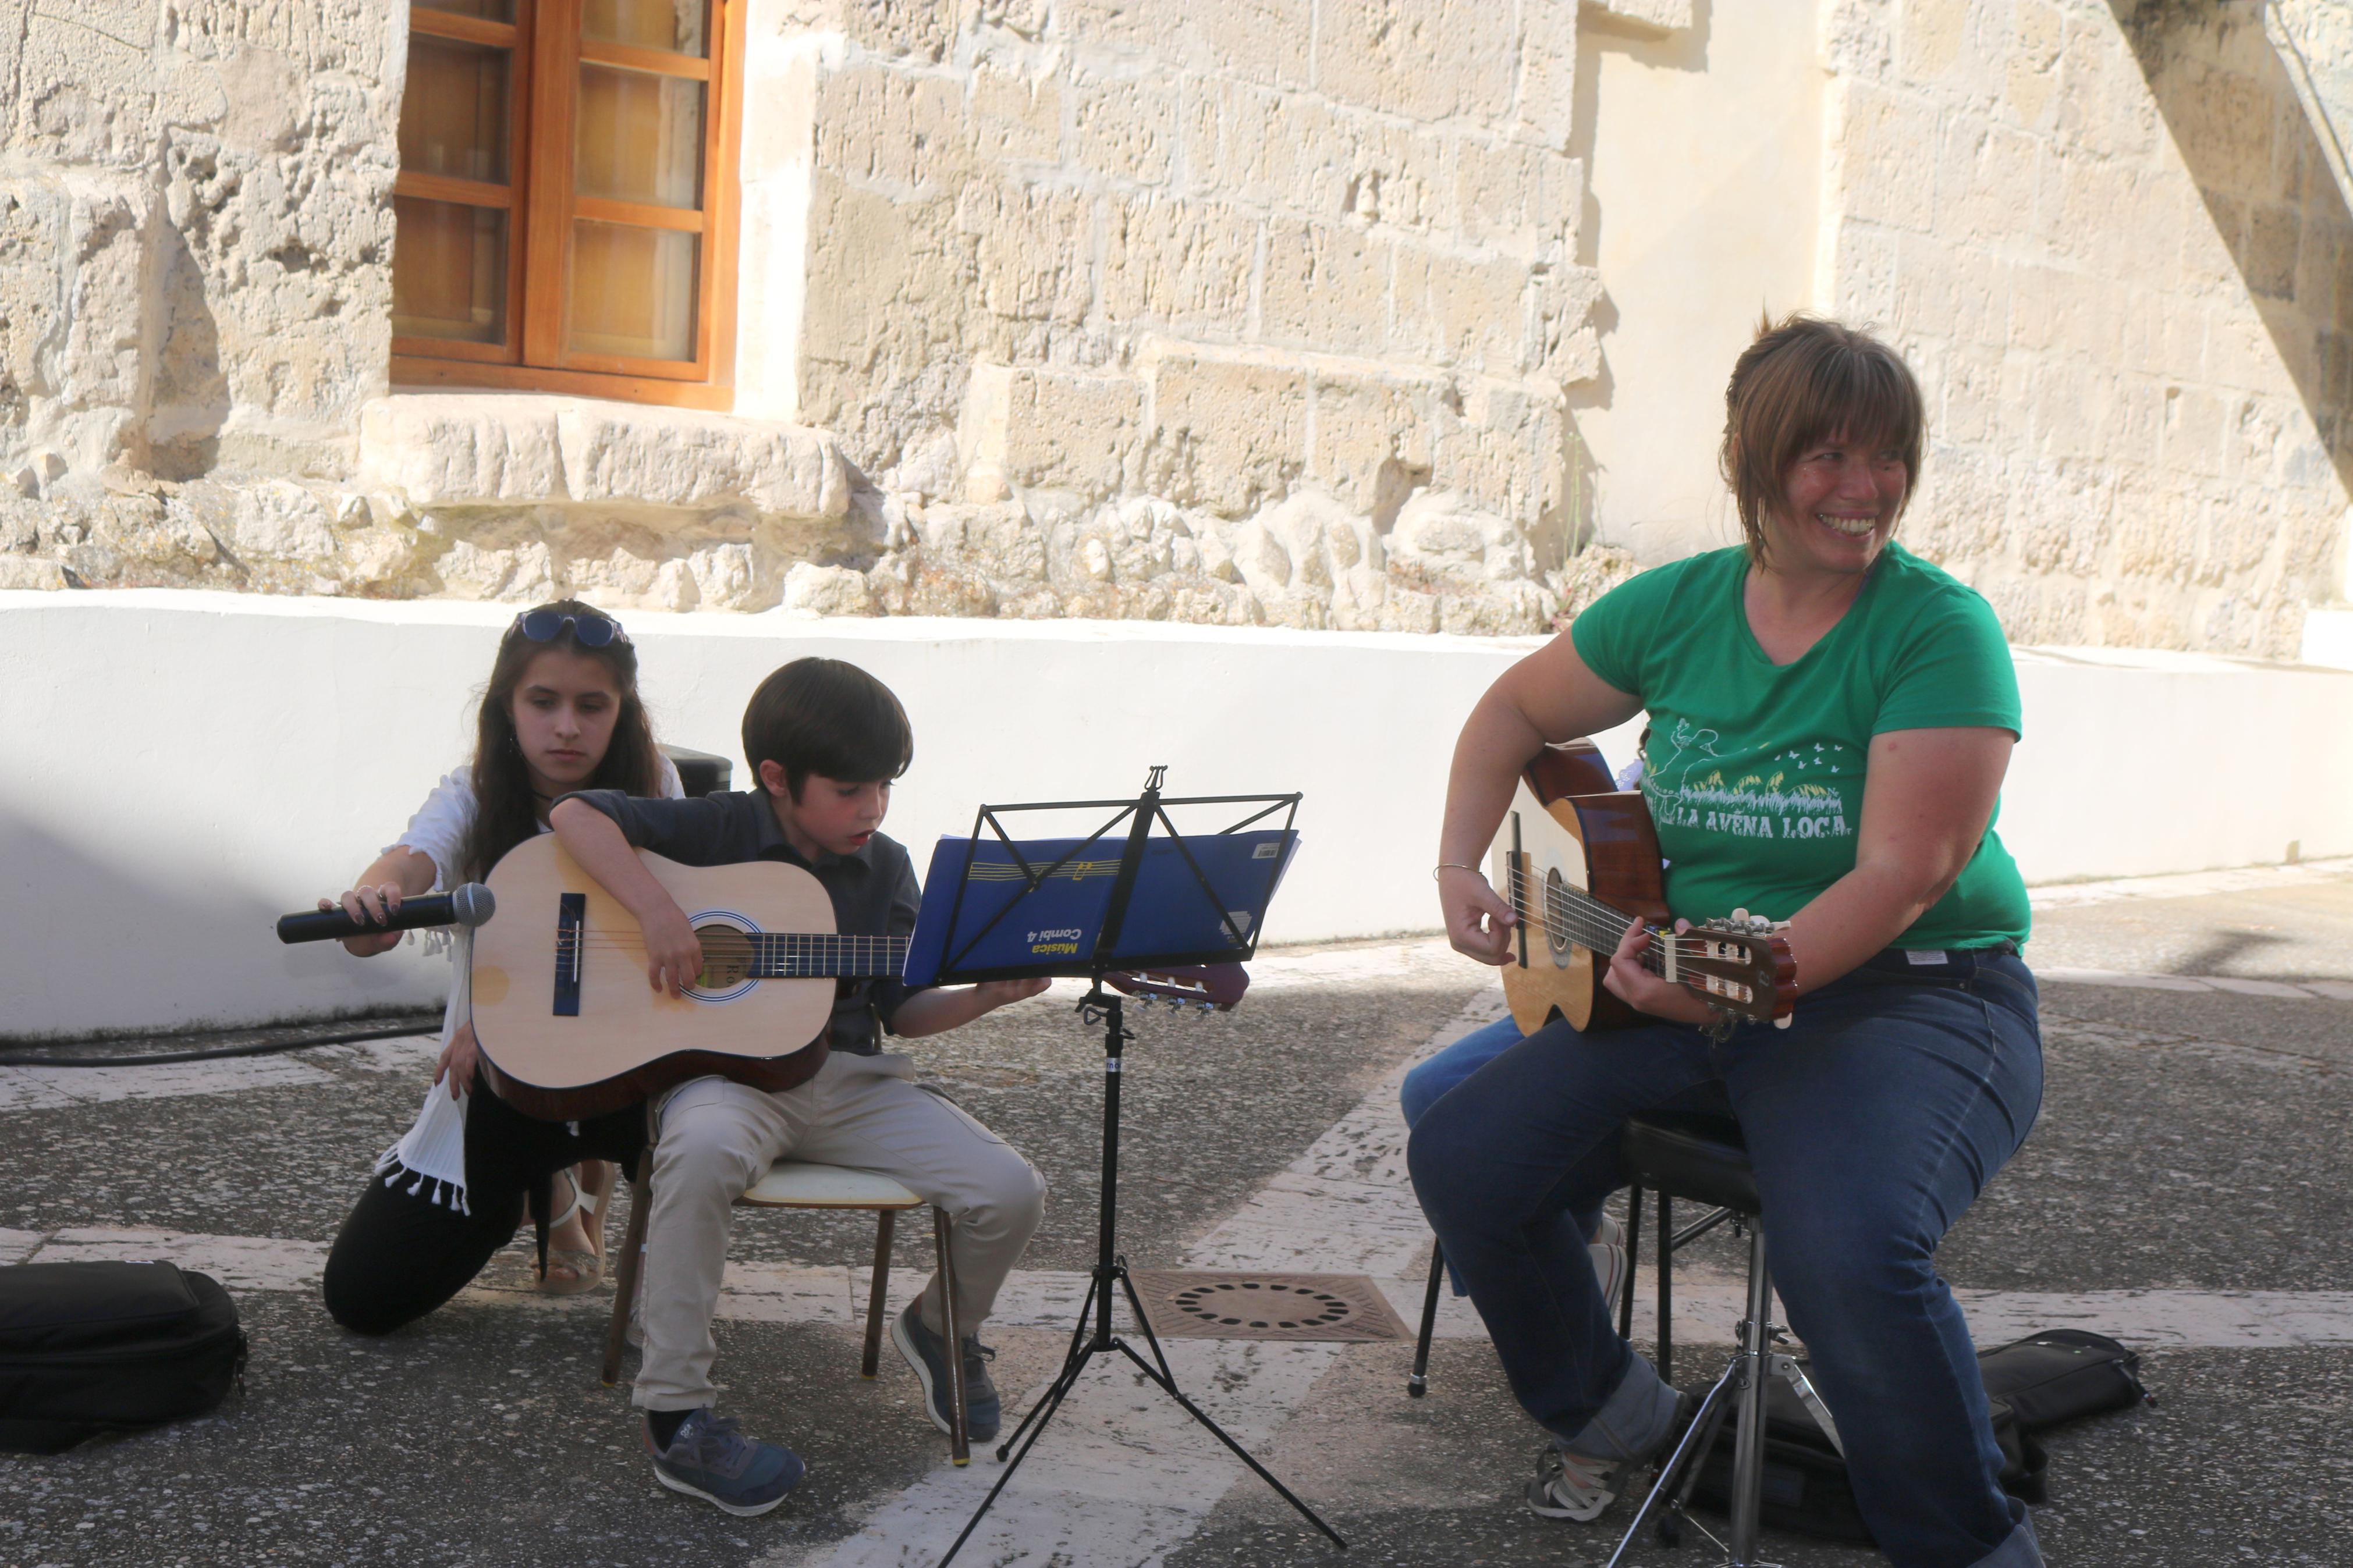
526,448
1660,17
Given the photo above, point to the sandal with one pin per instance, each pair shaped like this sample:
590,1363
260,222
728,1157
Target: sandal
587,1271
584,1268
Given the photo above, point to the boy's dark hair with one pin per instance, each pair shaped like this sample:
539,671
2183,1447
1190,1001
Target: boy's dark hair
822,716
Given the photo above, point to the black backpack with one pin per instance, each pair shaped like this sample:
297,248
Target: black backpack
2031,1385
87,1348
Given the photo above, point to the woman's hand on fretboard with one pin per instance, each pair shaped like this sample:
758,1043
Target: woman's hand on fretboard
1641,988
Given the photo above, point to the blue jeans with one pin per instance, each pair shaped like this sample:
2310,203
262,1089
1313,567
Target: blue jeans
1429,1080
1872,1122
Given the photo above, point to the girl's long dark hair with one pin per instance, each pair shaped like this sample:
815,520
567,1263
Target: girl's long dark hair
504,814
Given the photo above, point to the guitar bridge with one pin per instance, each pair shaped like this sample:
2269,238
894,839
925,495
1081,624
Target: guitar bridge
571,917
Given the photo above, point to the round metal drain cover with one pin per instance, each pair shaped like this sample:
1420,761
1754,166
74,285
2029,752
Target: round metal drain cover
1263,1304
1238,1304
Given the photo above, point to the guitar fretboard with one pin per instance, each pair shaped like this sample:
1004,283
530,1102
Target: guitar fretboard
788,956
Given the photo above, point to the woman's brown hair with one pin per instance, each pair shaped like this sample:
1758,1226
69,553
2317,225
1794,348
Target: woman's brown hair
504,814
1805,381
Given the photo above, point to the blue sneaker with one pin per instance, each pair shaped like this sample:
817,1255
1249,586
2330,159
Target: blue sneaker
710,1458
927,1353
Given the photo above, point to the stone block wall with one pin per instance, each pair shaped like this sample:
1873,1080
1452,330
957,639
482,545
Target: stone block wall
2108,239
1161,282
195,233
1242,311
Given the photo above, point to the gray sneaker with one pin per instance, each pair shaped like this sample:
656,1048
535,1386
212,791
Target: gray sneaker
710,1458
927,1353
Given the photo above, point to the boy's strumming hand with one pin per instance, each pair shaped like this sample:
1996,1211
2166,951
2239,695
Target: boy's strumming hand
673,956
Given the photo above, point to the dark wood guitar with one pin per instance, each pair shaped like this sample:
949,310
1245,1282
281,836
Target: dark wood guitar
1577,859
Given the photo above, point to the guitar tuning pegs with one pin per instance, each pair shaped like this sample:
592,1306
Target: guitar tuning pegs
1740,917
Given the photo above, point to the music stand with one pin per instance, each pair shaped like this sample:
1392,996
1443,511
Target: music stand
992,912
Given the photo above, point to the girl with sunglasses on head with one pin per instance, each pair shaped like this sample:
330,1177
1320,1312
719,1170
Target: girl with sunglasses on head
561,712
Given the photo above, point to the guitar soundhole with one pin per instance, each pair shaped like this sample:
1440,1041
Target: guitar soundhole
726,957
1555,898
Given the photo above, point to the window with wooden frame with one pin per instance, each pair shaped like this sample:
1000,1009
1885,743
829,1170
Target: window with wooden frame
566,199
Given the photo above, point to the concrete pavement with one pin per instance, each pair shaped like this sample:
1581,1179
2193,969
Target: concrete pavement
2184,1188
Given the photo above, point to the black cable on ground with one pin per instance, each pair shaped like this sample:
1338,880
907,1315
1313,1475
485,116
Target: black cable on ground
381,1030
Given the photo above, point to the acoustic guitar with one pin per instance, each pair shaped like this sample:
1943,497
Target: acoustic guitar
1577,859
568,1027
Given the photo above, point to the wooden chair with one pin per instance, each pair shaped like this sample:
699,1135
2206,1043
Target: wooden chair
795,1185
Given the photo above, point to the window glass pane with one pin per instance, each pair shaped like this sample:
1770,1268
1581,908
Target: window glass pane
448,271
488,10
681,26
640,138
453,116
633,292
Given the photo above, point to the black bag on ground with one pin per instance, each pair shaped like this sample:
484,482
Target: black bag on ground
2031,1385
87,1348
2062,1375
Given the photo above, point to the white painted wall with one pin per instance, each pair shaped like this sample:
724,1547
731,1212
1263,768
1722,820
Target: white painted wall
1703,153
178,768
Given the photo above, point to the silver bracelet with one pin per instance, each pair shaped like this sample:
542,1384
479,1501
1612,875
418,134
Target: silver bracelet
1452,866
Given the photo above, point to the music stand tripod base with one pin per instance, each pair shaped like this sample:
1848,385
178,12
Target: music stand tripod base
1092,1335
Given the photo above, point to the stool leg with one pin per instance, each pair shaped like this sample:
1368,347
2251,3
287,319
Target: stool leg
1633,1256
1666,1288
1748,1454
625,1281
959,1447
1419,1383
886,1221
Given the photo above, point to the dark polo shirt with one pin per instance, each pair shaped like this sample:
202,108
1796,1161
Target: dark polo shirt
873,890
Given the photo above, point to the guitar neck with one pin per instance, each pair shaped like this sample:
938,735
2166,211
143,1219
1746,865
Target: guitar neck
1585,921
785,955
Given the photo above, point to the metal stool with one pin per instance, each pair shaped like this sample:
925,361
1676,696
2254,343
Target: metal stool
1701,1156
796,1185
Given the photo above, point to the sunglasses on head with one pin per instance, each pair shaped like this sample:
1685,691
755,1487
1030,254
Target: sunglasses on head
590,629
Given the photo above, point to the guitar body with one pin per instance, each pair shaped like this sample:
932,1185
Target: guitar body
1568,826
561,1043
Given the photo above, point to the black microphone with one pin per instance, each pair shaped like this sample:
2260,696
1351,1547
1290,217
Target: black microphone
471,905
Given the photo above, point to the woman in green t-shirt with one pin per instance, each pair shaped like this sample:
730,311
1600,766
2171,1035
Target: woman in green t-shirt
1830,718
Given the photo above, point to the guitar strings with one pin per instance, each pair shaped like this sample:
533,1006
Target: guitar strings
1594,925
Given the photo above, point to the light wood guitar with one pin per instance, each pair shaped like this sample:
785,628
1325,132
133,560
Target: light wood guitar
1578,860
568,1027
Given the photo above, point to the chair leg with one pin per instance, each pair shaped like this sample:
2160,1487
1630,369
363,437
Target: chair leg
1633,1255
1666,1245
1419,1383
959,1445
885,1222
625,1280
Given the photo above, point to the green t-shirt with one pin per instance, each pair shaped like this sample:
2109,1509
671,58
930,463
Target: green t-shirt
1754,771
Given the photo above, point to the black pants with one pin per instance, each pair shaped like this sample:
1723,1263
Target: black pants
397,1256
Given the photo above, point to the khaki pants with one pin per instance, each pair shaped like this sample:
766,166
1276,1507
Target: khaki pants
716,1137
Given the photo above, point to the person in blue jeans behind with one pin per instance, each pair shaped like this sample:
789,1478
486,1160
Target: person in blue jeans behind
1830,719
1429,1080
